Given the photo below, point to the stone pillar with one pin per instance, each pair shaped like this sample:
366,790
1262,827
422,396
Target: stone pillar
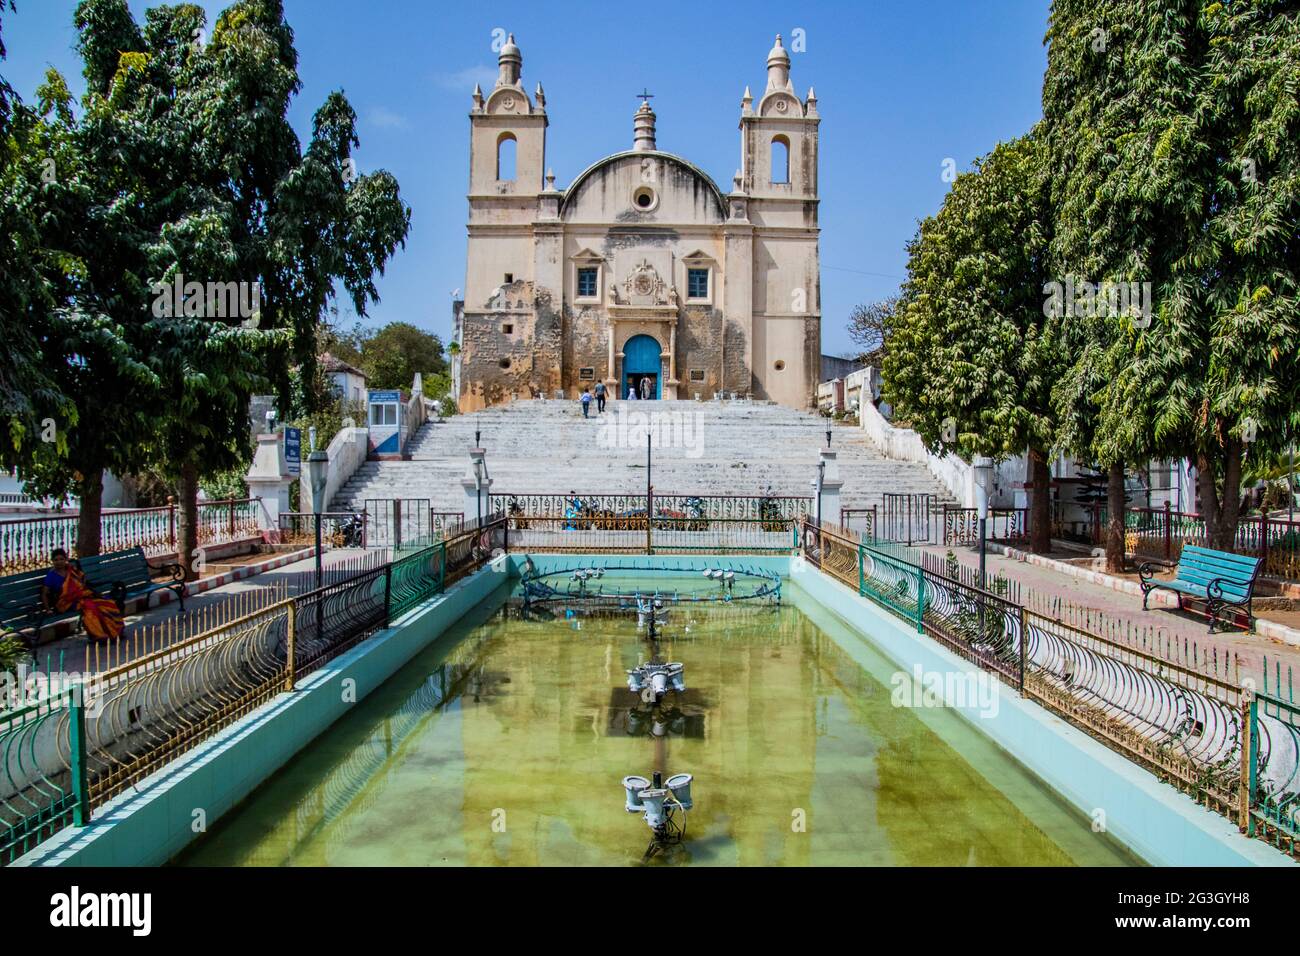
831,486
269,479
611,373
477,486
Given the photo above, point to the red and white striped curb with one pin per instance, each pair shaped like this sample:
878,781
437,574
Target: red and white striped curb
235,574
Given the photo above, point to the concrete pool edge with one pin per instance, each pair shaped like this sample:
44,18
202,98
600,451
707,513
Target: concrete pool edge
150,824
1152,819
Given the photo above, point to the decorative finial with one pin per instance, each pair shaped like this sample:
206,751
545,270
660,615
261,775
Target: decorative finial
478,97
550,179
540,95
778,67
643,124
511,63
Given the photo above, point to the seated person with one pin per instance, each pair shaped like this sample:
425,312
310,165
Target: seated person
65,589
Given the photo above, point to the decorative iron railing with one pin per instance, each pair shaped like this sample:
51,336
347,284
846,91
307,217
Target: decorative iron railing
1184,724
145,713
1005,525
339,529
1161,533
681,524
405,524
42,772
861,521
26,542
633,507
1271,809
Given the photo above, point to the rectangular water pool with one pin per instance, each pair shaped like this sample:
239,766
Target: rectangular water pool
505,743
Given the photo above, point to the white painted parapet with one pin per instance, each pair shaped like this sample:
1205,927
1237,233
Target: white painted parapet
347,452
269,479
906,445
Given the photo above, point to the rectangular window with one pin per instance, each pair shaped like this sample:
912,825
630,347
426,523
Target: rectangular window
586,374
587,283
510,277
383,414
507,328
697,283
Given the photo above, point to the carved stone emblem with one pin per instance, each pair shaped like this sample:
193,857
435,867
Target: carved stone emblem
644,286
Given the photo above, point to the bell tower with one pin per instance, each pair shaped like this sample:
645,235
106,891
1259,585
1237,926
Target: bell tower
779,138
512,339
508,133
778,184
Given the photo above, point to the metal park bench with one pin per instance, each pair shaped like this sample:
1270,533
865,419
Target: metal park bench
121,575
1224,581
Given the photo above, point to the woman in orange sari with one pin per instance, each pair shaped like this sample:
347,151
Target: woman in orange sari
65,589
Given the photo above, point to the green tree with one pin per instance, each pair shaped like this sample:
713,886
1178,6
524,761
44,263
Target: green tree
1115,97
69,295
971,362
221,191
391,356
34,282
1228,356
1173,130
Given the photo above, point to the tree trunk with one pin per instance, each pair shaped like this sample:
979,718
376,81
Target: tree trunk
1222,511
1040,503
1116,501
187,522
89,512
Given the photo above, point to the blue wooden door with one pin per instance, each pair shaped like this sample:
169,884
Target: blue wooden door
641,360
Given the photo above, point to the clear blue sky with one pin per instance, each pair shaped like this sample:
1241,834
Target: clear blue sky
901,86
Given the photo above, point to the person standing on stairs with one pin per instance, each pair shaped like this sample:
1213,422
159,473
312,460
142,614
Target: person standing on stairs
586,403
600,398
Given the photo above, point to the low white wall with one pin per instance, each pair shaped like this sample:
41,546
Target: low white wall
347,453
906,445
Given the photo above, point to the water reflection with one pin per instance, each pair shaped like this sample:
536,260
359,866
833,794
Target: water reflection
506,742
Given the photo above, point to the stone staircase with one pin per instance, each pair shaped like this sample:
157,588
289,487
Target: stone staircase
706,448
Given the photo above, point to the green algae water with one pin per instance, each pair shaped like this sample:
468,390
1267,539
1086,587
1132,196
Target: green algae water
506,741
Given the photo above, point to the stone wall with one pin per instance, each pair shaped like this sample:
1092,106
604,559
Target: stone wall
495,364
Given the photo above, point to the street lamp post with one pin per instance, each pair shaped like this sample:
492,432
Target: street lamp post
821,478
317,474
983,472
478,491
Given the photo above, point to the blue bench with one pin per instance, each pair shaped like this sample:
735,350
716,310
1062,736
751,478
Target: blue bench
121,575
1224,581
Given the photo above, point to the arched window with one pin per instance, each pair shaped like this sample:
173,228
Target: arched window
506,148
780,159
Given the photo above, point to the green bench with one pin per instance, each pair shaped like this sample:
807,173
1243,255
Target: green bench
1224,581
121,575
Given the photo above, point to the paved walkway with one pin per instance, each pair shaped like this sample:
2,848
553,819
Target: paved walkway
1108,610
148,630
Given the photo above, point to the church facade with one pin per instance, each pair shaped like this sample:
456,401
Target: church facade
642,272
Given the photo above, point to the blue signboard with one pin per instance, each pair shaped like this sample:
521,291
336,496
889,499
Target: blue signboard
380,398
293,449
